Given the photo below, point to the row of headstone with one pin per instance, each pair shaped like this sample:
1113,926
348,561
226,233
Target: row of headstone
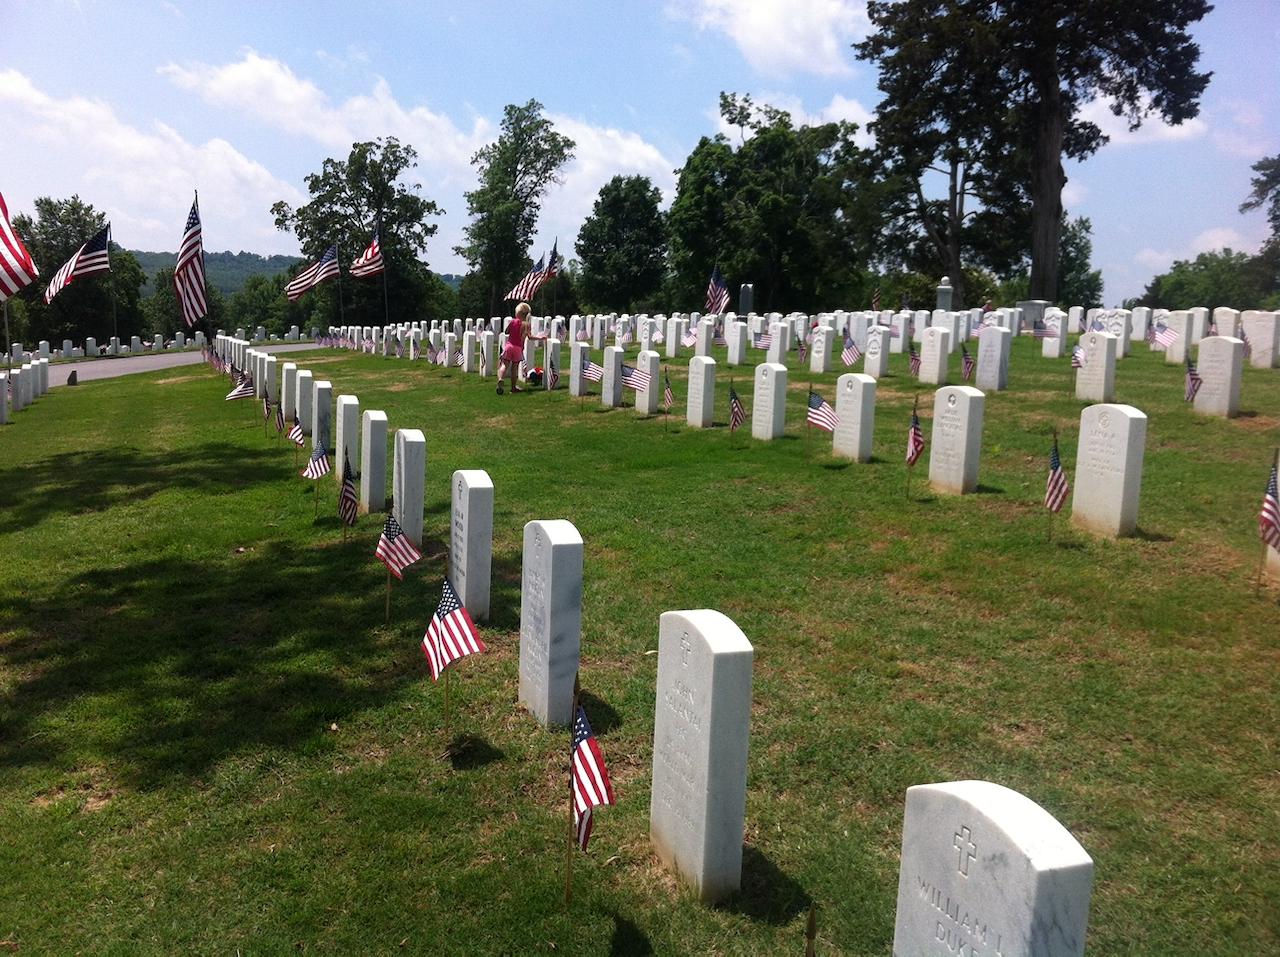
22,385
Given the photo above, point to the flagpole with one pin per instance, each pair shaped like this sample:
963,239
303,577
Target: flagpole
808,426
1050,510
387,619
811,930
915,406
342,312
573,831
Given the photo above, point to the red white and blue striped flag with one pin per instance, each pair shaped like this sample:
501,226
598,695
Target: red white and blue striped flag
188,274
913,359
93,257
527,286
737,414
591,371
915,440
313,275
591,786
1192,382
967,364
348,504
394,548
1269,517
370,262
1055,490
16,266
319,464
821,413
295,432
450,635
634,378
717,293
668,397
850,353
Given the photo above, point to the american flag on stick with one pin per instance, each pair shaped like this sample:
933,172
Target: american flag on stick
913,359
1192,381
553,374
690,337
634,378
762,340
243,389
313,275
450,635
915,440
527,286
17,269
1269,517
967,364
821,413
1078,357
717,293
591,371
394,548
296,433
737,414
591,786
279,418
92,257
850,353
1055,491
668,397
188,274
1166,335
319,464
348,504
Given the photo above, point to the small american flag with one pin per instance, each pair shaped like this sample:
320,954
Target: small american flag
915,440
266,409
850,353
348,505
668,397
762,340
553,374
484,362
913,360
415,348
450,635
279,418
1097,326
243,388
1192,381
1248,346
737,414
717,293
634,378
591,785
690,337
394,548
583,335
399,348
92,257
821,413
802,351
1166,335
1269,517
457,358
591,371
1078,357
319,464
658,338
717,337
875,298
967,364
1055,490
296,433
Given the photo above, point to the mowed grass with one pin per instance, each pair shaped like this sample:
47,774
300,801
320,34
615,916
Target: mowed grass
210,741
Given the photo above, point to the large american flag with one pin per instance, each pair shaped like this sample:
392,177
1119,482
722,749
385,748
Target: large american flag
188,274
370,261
16,266
966,363
821,413
850,353
1269,517
915,440
634,378
394,548
875,299
319,464
591,785
92,257
527,286
1192,382
1055,490
316,273
717,293
348,504
737,414
450,635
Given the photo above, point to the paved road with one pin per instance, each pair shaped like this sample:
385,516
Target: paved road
108,367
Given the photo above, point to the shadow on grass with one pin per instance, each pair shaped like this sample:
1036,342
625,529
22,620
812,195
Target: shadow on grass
767,894
174,665
987,490
1148,536
601,715
73,483
628,939
468,752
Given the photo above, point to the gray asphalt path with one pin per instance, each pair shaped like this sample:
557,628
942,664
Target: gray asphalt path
108,367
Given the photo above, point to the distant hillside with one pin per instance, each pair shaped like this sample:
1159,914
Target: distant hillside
226,272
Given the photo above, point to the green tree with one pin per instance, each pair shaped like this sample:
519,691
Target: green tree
1219,278
99,305
261,301
622,245
792,210
1266,191
516,171
1078,283
348,199
162,315
994,84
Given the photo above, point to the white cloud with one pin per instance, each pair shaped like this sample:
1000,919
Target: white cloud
778,39
142,180
1073,193
840,108
1152,130
1215,238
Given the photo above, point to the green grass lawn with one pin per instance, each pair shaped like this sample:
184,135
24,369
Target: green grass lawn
210,741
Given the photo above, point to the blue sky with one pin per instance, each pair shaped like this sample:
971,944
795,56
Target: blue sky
133,105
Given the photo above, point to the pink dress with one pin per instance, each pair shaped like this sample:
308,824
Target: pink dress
513,351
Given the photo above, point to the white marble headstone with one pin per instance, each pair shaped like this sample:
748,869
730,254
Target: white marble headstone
471,540
1219,363
373,461
1109,469
700,410
550,619
956,439
856,409
769,401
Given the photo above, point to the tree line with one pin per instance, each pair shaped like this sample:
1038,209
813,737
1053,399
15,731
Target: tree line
980,104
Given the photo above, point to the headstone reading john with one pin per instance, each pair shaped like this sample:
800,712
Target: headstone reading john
697,802
986,870
550,619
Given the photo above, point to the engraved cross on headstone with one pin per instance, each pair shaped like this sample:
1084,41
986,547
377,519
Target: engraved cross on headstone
966,848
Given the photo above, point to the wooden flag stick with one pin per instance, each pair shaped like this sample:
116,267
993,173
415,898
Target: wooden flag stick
808,426
448,738
387,619
317,481
1262,565
573,831
811,930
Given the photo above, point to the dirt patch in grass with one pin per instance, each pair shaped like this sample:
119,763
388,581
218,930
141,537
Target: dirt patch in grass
177,378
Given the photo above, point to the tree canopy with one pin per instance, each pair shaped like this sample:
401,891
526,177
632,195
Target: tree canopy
622,245
516,170
1266,191
349,199
993,84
